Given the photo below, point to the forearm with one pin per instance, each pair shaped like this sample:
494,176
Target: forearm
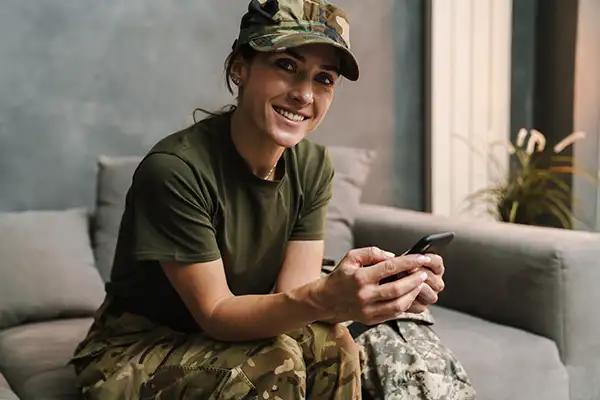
288,282
252,317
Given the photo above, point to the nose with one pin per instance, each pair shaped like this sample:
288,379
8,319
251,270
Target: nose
302,93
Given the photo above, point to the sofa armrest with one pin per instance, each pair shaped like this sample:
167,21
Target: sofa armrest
542,280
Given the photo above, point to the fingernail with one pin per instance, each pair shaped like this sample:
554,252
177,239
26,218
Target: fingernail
388,254
423,276
421,286
423,259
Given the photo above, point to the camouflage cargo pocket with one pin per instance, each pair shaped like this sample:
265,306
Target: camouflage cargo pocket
89,355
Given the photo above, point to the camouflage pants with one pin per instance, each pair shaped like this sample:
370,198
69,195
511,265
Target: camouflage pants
128,357
406,360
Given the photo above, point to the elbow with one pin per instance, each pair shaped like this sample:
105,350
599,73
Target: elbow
213,323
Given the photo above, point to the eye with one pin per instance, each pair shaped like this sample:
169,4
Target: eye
325,79
286,64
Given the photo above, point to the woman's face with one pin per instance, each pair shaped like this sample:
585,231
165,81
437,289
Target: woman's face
286,95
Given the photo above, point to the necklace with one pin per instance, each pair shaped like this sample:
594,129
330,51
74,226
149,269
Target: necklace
273,168
270,172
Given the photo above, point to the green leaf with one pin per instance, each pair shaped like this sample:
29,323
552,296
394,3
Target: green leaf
575,171
554,179
568,159
558,194
558,213
560,204
513,211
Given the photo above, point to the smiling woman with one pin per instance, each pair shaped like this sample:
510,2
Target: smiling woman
215,290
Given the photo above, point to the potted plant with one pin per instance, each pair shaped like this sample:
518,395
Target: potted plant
534,191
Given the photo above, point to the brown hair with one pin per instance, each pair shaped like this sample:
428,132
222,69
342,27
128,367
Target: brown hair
247,53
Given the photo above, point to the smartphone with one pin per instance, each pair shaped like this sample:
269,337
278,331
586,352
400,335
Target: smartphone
427,244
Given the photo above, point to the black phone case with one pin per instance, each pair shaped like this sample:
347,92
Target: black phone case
428,244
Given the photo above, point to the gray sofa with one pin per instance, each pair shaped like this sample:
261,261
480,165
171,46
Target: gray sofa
519,307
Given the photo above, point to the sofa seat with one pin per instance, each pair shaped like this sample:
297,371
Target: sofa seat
503,363
33,358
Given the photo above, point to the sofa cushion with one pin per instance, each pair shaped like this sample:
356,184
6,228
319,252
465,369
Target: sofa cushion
113,181
55,384
32,356
503,363
351,165
3,383
47,268
5,392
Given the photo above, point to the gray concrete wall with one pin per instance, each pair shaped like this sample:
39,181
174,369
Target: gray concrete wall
80,79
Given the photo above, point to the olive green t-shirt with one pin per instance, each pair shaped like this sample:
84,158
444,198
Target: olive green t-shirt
194,199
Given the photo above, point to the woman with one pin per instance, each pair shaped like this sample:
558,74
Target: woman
216,290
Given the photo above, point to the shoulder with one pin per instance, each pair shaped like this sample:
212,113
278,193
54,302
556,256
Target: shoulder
162,173
312,159
196,147
195,142
182,161
312,166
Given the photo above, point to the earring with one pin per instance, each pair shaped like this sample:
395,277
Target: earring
236,80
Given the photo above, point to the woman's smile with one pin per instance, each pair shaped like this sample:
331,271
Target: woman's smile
289,115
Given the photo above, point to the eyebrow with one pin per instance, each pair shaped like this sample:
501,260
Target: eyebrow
301,58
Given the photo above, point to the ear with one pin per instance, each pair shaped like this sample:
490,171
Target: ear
240,70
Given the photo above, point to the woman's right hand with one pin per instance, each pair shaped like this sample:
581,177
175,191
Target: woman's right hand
352,291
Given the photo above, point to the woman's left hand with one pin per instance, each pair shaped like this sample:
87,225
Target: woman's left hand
432,287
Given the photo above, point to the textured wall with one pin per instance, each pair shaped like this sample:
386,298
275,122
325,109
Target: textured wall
84,78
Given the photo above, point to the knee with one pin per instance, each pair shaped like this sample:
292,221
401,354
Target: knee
335,339
287,355
283,359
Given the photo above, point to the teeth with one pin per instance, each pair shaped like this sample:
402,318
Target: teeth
289,115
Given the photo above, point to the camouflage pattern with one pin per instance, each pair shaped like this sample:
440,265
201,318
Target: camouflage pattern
406,360
277,25
128,357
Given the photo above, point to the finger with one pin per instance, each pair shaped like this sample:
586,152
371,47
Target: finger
394,308
436,264
417,307
396,289
368,256
427,296
436,282
384,311
394,266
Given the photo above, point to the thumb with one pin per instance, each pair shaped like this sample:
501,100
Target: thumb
367,256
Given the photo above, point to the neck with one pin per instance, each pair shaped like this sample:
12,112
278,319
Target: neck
260,153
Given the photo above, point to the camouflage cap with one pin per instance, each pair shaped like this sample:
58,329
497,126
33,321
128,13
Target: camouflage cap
277,25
